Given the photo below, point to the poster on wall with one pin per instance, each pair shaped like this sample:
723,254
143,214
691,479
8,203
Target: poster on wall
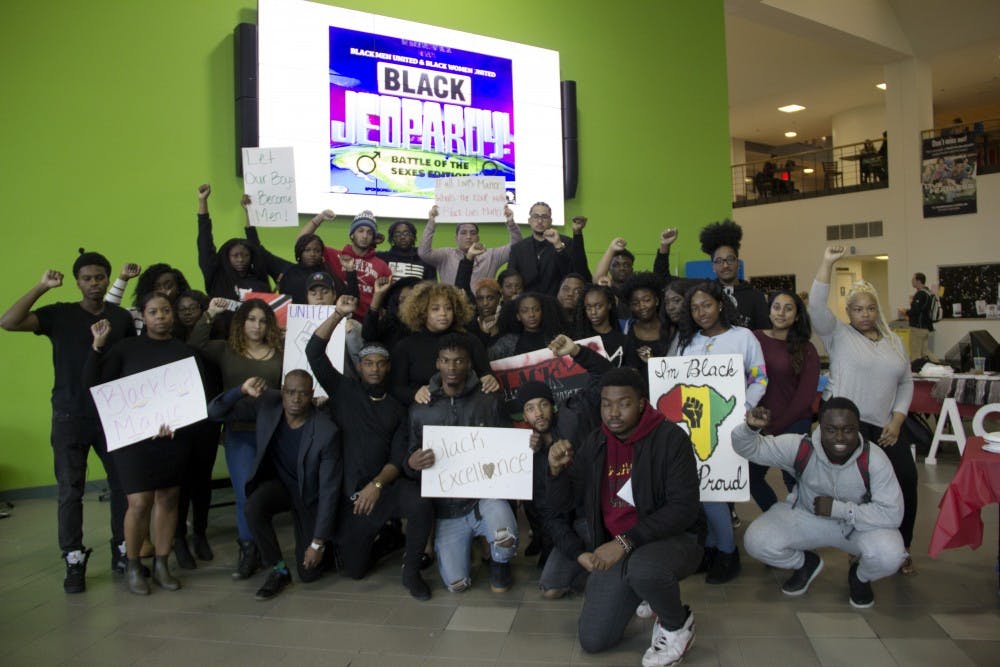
948,175
437,111
708,394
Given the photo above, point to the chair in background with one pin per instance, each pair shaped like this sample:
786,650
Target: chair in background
832,176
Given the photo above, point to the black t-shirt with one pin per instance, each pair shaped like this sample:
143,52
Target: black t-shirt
68,327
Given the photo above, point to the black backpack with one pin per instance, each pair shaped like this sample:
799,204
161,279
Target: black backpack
806,451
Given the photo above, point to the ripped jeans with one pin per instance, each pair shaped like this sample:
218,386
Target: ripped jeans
492,519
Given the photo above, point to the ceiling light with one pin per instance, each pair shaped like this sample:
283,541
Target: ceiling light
808,170
882,257
791,133
881,86
791,108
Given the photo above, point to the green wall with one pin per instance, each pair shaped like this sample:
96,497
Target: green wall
114,111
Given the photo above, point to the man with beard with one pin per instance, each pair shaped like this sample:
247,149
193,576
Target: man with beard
75,425
402,256
373,424
361,249
721,242
466,235
572,420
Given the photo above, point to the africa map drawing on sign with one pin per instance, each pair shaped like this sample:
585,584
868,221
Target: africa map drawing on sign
708,395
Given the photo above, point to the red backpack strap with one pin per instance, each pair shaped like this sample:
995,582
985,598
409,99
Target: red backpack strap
863,469
802,457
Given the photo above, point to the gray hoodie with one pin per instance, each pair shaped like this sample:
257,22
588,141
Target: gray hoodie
842,482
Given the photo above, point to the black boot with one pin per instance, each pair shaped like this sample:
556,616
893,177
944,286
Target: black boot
184,558
201,547
133,576
162,576
249,561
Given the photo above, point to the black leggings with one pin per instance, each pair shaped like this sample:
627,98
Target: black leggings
906,474
196,481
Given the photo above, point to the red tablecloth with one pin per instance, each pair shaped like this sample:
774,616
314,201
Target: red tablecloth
976,484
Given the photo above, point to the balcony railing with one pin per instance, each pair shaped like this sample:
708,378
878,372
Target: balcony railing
826,171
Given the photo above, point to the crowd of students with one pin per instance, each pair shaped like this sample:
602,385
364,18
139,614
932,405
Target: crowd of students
615,511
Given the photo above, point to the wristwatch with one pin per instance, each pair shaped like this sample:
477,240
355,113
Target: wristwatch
318,546
378,485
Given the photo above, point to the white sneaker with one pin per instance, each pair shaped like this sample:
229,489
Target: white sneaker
669,647
644,610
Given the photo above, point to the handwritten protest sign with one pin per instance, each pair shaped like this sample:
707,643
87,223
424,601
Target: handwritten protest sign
478,462
563,375
269,179
708,393
302,321
470,198
134,407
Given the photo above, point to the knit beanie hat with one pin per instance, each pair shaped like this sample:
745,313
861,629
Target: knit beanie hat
532,390
364,219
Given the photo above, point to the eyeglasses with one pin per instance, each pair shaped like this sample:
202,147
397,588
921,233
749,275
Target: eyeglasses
189,309
537,216
719,261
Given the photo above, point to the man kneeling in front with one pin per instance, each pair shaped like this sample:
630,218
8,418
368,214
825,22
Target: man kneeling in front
846,497
637,481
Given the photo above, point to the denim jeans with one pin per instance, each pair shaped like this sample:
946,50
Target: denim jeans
720,527
492,519
241,450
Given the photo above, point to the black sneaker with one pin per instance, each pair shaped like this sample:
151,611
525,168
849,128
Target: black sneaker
862,596
725,567
76,571
416,585
500,577
798,583
249,560
276,582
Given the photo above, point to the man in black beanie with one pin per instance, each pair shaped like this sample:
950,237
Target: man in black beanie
75,424
402,256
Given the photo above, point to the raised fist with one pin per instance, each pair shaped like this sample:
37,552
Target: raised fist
204,190
693,409
51,279
579,222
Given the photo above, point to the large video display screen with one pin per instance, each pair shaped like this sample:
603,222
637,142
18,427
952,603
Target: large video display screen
377,108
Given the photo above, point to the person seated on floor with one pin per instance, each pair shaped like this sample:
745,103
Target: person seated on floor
637,481
297,468
846,496
374,430
457,399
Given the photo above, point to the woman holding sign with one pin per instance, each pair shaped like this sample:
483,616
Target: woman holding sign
254,349
707,328
150,470
869,366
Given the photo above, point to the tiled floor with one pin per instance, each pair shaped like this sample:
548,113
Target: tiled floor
948,615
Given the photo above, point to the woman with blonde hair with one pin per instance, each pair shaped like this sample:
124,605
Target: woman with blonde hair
869,366
431,311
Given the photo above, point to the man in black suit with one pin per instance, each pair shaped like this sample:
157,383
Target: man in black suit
298,468
544,259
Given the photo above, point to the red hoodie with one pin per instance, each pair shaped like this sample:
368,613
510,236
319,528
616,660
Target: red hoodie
369,268
619,516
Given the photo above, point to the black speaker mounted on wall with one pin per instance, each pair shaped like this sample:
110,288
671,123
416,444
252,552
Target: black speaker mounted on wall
571,168
245,70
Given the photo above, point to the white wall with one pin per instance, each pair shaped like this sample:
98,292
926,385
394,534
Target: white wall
789,237
858,124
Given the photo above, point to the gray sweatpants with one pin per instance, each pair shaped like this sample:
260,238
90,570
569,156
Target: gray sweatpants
780,535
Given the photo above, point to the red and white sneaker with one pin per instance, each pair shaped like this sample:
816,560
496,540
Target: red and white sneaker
669,646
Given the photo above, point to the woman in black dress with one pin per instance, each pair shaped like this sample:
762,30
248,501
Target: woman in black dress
150,470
